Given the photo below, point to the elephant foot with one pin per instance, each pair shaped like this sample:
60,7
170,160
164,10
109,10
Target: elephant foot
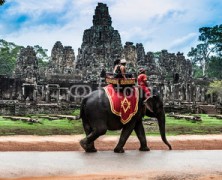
86,147
119,150
92,148
83,144
144,149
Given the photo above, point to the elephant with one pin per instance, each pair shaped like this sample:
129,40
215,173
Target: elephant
97,118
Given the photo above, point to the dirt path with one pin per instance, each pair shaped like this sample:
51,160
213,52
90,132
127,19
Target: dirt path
71,143
150,176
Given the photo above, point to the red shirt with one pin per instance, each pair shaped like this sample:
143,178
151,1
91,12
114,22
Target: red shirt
142,78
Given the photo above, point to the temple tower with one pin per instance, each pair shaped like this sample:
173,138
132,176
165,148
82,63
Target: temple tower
62,59
27,65
101,44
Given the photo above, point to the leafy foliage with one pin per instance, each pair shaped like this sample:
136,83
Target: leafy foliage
197,71
216,88
213,36
2,2
9,53
209,48
215,67
41,56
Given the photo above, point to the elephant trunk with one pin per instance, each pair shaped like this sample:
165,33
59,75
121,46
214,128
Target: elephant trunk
161,122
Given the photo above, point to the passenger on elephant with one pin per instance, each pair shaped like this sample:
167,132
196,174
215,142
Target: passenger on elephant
142,82
120,70
123,68
116,64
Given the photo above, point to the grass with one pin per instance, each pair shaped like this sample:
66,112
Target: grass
208,125
47,127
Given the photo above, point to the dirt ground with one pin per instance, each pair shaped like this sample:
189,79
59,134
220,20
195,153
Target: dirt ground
71,143
150,176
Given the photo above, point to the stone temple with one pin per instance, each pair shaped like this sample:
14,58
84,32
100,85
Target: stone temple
101,44
59,87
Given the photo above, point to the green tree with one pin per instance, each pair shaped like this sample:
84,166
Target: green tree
216,88
2,2
215,67
197,71
41,55
211,45
8,55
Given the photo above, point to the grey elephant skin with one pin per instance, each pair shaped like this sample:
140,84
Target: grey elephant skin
97,118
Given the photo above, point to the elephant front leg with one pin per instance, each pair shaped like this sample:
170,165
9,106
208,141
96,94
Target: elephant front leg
139,129
126,131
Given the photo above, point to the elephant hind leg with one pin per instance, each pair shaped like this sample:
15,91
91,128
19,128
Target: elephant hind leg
87,147
88,142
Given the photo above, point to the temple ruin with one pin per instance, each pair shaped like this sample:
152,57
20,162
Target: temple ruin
68,78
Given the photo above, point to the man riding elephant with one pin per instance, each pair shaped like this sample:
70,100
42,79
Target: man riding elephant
142,82
98,115
120,69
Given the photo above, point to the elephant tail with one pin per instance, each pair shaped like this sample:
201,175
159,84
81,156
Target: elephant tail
82,108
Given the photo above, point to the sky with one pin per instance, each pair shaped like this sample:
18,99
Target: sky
160,24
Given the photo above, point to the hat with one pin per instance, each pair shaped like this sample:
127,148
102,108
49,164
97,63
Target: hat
122,61
141,70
